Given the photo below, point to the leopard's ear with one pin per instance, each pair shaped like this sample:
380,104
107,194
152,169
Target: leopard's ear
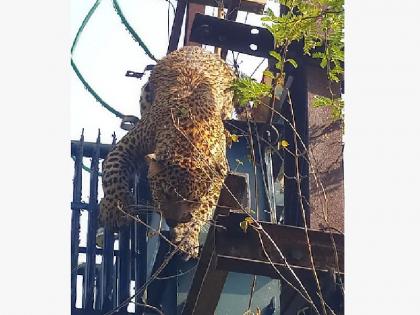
154,166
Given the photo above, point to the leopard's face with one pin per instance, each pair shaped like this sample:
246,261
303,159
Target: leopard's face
146,98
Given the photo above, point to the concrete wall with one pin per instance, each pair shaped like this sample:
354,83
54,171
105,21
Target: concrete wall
326,157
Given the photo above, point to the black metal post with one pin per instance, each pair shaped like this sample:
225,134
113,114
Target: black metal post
107,270
107,264
92,227
75,218
124,270
177,25
296,167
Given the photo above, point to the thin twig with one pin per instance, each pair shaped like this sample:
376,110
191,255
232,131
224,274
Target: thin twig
149,307
298,179
307,298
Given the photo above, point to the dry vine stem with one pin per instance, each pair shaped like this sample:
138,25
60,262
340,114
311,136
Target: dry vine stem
149,307
307,298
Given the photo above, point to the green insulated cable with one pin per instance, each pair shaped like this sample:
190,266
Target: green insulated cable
91,91
131,30
76,40
79,75
85,20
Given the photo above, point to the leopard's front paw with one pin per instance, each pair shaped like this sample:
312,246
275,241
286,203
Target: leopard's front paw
187,241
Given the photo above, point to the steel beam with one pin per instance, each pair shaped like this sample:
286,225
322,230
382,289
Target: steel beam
89,149
253,6
207,284
247,252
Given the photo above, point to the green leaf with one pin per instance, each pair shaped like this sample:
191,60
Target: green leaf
293,62
319,23
247,90
269,74
324,62
275,54
336,105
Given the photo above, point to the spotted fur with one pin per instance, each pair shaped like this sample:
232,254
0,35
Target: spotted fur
146,98
182,137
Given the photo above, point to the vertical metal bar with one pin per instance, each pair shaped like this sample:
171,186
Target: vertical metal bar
123,270
265,166
140,246
107,270
75,220
98,288
115,282
132,276
92,227
270,184
107,265
177,25
124,265
257,171
296,112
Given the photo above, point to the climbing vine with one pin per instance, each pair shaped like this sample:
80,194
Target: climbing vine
318,25
248,90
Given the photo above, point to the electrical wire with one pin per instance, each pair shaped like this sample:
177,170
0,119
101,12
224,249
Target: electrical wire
131,30
94,94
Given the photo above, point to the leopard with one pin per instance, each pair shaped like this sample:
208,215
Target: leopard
182,139
146,98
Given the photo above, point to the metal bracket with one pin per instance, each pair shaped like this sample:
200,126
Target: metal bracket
139,75
133,74
240,37
128,122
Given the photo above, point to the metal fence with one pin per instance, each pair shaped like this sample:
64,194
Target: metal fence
106,284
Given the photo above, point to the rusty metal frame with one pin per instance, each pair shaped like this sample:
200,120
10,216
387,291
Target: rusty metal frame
229,248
